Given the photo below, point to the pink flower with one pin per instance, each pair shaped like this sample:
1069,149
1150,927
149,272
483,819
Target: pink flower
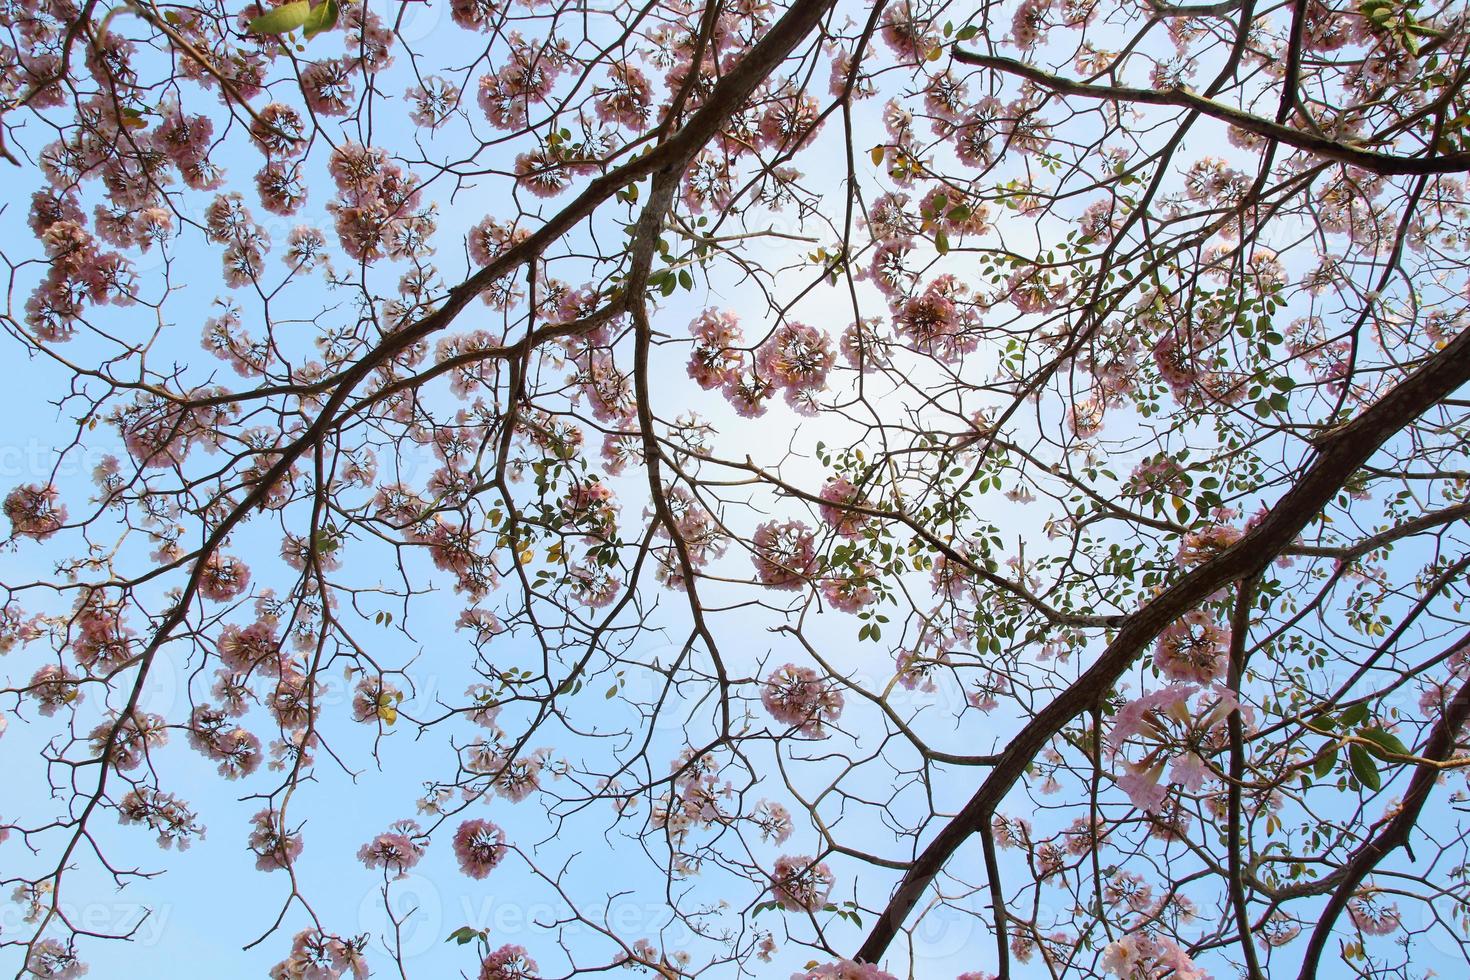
784,555
52,687
513,778
838,495
137,734
800,885
315,955
709,183
1192,649
223,578
398,849
1143,955
475,15
627,99
236,750
774,821
1144,786
35,511
1132,717
163,814
852,591
542,173
480,846
716,358
251,648
376,701
508,963
50,959
1085,418
796,696
274,846
1374,918
433,101
1202,545
844,970
594,585
327,86
278,130
1189,771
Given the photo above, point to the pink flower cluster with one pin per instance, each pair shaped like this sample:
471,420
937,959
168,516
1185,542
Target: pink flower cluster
784,554
1193,649
274,846
796,358
236,750
800,884
315,955
844,970
1143,956
51,959
396,850
53,686
479,845
838,496
942,321
77,272
1202,545
798,697
35,511
698,531
137,734
163,813
377,207
526,79
222,578
508,963
512,777
101,642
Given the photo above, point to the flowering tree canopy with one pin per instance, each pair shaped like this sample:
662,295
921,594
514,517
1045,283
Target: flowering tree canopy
832,473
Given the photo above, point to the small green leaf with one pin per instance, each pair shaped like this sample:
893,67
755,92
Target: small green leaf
1363,767
1325,763
283,20
1385,740
323,17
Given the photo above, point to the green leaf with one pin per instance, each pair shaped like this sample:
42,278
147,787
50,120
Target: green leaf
283,20
323,18
941,242
1385,740
1363,767
1325,763
1355,715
